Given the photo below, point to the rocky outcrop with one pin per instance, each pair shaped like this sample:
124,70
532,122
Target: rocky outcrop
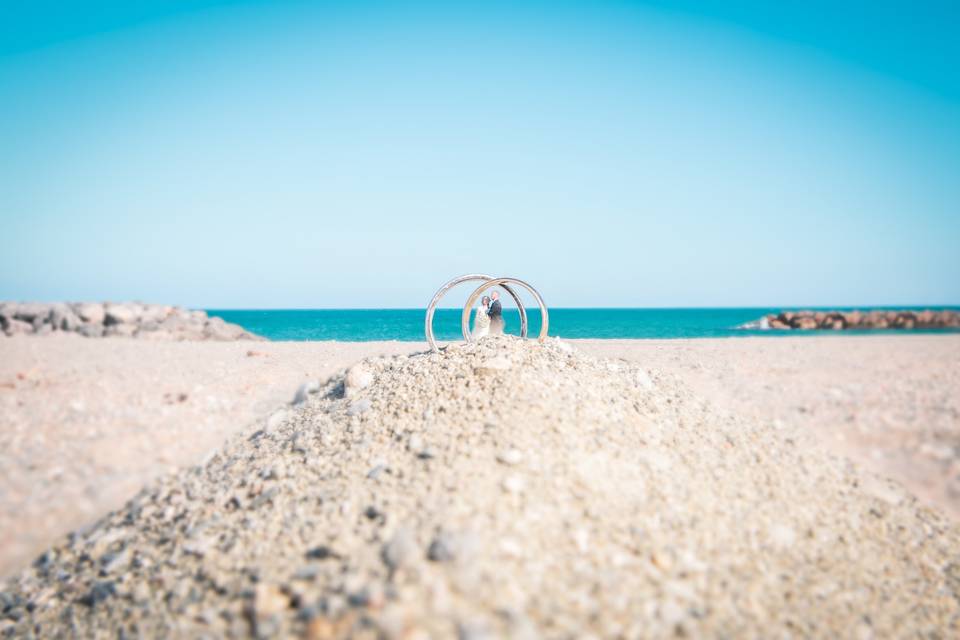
129,319
837,320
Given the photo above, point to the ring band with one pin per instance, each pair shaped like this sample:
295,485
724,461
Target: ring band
503,282
432,307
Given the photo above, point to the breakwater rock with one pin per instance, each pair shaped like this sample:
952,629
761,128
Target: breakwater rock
130,319
879,319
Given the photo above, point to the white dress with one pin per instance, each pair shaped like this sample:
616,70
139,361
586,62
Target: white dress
481,322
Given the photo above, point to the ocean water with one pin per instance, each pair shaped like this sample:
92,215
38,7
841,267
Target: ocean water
407,324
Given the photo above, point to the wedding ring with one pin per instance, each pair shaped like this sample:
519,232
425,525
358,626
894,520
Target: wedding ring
432,307
503,282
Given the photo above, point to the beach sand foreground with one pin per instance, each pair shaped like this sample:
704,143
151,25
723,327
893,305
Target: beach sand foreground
498,487
84,423
505,489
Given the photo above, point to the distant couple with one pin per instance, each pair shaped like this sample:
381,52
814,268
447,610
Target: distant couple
488,318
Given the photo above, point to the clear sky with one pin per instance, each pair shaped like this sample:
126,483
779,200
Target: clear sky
358,154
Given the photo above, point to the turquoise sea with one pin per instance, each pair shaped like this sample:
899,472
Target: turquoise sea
407,324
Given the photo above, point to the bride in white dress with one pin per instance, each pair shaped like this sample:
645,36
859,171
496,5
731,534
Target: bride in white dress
481,321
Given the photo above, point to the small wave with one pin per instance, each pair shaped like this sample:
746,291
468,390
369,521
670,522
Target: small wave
761,324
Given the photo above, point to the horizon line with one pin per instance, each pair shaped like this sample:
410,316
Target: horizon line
613,308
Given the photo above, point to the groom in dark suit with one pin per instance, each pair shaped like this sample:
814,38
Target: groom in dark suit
496,313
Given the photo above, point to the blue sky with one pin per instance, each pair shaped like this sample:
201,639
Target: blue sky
294,154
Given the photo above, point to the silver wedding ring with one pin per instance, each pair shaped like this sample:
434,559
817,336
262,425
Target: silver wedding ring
486,283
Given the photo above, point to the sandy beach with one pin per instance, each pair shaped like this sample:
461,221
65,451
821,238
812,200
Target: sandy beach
87,423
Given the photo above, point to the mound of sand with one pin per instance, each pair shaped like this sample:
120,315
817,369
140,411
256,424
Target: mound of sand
504,489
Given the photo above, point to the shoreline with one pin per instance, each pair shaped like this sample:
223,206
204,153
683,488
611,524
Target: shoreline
89,422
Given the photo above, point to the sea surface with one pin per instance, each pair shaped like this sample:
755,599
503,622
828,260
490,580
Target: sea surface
357,325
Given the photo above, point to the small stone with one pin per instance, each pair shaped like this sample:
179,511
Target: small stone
881,489
581,537
643,380
358,407
98,593
357,378
325,628
199,547
305,390
140,592
415,443
474,630
321,552
320,628
400,550
371,595
443,548
514,484
781,536
510,457
268,600
114,561
307,572
276,419
492,366
377,471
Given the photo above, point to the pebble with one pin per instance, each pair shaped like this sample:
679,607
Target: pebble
114,561
269,600
305,391
321,552
510,457
377,471
443,548
643,380
370,595
276,419
307,572
358,377
415,443
492,366
514,484
359,407
474,630
781,536
199,547
100,592
400,550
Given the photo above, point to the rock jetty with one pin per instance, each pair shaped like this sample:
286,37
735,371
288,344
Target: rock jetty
104,320
838,320
503,489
